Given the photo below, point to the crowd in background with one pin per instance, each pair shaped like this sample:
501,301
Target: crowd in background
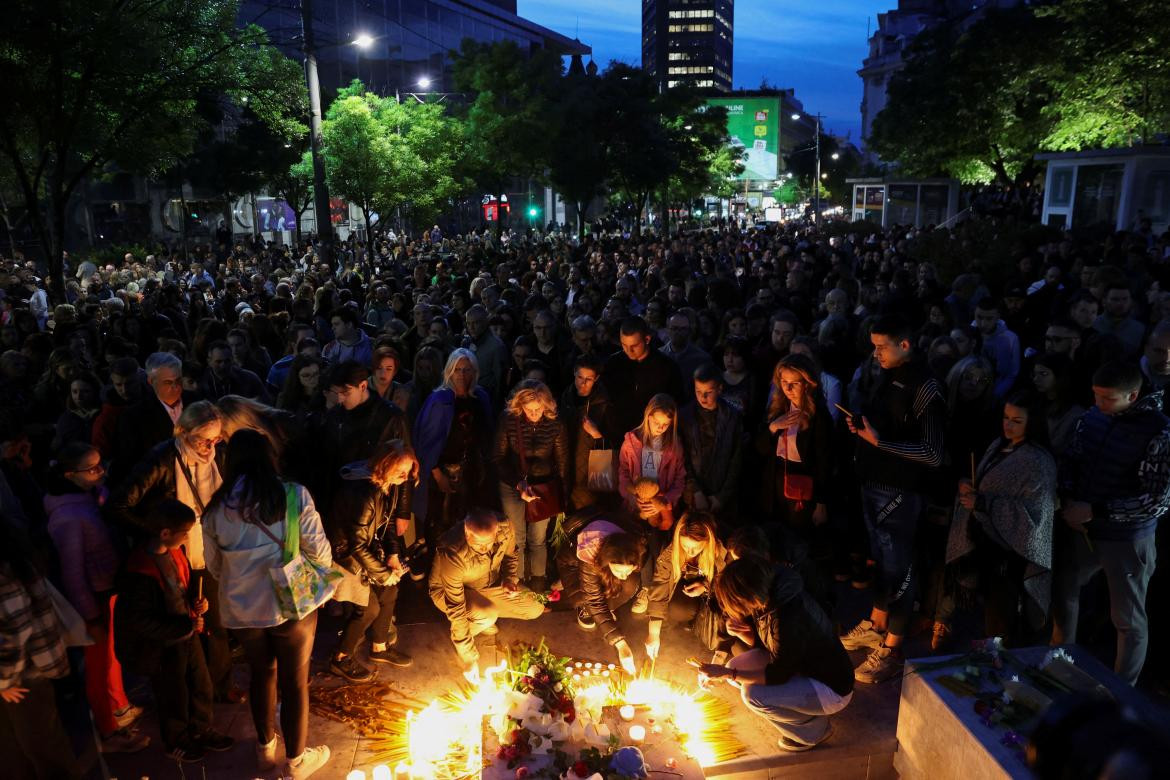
721,429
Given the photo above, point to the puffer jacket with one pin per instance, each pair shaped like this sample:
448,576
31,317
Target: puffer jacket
546,450
361,527
799,637
89,555
457,567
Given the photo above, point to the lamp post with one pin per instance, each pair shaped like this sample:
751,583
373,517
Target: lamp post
320,191
817,176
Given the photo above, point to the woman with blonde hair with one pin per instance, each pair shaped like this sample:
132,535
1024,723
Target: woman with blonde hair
282,429
365,530
652,452
452,436
531,454
693,559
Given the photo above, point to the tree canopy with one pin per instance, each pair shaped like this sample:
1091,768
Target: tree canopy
91,84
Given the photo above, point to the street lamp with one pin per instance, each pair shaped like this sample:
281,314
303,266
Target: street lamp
817,179
363,41
835,156
424,82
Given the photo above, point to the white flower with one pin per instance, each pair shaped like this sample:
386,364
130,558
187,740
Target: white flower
559,687
533,670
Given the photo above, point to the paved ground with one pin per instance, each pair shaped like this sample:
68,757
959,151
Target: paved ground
862,745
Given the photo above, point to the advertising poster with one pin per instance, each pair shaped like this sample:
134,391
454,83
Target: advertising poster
754,124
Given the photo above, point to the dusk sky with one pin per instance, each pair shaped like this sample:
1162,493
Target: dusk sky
815,47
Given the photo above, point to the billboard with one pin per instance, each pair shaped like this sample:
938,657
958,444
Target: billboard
754,124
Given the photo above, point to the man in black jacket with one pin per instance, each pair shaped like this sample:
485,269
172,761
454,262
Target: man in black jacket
638,373
151,420
712,434
899,448
353,429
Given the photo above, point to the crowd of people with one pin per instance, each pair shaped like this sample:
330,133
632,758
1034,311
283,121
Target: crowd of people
722,430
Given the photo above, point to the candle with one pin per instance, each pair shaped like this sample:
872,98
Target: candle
637,733
381,772
402,771
355,774
576,678
605,673
578,664
627,712
611,667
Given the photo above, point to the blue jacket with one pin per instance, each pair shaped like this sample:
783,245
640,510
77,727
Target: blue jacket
1002,348
430,437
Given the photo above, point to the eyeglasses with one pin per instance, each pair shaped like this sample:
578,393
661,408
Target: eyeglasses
97,468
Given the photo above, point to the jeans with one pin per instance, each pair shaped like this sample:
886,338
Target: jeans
891,518
793,707
182,692
280,655
1128,566
530,537
379,613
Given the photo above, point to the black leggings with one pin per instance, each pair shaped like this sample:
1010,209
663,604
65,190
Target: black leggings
281,653
379,613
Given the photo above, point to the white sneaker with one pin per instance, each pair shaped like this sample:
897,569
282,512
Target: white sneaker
641,602
266,755
308,762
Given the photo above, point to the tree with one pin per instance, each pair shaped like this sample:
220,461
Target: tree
1110,80
969,103
358,151
507,119
638,142
91,84
704,158
295,187
579,165
435,144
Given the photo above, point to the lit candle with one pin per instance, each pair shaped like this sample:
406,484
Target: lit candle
611,667
381,772
355,774
627,712
402,771
637,733
605,673
578,664
576,678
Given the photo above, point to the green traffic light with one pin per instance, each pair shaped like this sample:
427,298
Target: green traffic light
533,212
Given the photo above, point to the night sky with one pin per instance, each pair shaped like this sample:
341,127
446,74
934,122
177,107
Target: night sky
815,47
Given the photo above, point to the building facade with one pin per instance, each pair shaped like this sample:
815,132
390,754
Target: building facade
688,42
412,39
896,30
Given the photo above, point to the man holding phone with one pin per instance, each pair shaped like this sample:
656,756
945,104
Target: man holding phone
899,447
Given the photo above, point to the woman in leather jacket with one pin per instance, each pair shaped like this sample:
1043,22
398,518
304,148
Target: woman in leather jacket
365,532
599,571
531,451
794,672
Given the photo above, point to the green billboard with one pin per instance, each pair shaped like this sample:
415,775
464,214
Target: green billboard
754,124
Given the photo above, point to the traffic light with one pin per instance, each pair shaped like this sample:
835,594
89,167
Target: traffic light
533,212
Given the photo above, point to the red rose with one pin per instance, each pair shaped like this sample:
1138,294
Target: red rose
581,769
554,596
511,753
544,678
570,716
526,682
522,772
500,752
517,735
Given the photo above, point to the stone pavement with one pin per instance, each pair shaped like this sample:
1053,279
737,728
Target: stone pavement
862,745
